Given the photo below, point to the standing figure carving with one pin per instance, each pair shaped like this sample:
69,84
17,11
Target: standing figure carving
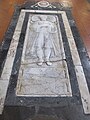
44,43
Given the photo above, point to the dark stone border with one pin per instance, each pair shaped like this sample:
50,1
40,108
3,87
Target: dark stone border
29,101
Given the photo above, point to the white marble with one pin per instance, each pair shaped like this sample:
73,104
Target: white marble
85,95
43,71
6,73
43,3
43,41
44,11
75,57
61,42
3,90
44,81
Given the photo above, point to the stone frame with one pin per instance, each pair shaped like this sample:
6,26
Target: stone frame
75,89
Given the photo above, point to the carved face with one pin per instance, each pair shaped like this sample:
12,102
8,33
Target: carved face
43,17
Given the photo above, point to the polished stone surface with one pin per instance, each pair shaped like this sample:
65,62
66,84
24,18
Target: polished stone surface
43,70
44,81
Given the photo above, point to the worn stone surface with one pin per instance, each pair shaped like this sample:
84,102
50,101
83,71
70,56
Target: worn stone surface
35,80
65,107
44,81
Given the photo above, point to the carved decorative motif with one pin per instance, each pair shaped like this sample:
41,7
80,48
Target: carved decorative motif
43,4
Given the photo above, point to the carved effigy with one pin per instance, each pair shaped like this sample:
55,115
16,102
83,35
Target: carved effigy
43,43
43,70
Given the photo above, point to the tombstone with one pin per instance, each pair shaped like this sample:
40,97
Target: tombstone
43,73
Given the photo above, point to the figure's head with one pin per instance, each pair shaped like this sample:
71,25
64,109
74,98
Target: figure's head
43,17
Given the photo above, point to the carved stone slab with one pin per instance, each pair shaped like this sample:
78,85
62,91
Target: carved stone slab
43,70
44,81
